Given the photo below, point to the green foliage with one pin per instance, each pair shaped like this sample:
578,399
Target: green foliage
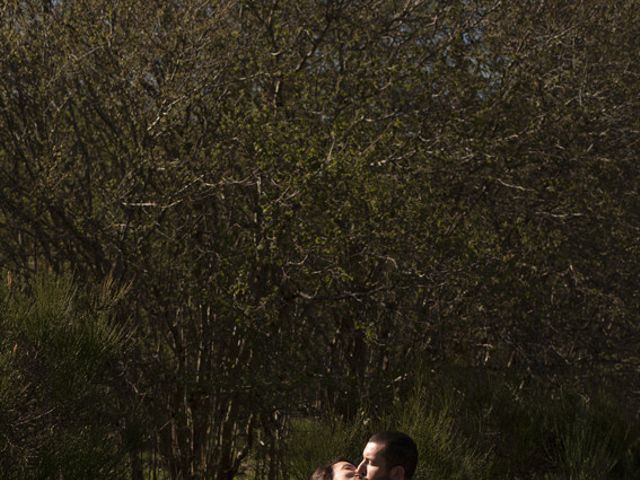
306,199
56,392
595,440
538,432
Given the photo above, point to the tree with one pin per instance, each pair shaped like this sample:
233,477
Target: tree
304,198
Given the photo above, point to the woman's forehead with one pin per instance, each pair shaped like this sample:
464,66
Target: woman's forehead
343,465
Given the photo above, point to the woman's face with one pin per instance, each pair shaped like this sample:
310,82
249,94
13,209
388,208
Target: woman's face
343,471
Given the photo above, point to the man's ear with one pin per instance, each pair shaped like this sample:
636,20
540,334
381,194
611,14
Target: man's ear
397,473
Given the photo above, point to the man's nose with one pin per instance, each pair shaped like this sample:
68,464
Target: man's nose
361,469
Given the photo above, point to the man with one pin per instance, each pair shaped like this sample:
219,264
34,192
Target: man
388,456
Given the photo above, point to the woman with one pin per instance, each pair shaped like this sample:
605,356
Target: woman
339,469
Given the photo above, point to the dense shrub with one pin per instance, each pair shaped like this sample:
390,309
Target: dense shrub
59,413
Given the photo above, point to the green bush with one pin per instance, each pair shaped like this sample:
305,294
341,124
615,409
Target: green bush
58,409
539,432
594,440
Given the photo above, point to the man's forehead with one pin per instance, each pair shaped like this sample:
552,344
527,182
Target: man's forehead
372,449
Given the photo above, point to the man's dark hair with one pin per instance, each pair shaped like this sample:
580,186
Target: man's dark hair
399,449
325,472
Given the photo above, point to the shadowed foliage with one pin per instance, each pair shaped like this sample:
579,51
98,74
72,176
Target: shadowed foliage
300,202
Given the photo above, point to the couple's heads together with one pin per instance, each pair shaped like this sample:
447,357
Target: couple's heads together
387,456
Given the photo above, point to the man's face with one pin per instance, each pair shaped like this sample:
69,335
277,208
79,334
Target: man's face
343,471
372,466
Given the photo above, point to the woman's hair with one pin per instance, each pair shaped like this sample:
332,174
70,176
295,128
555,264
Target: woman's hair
325,472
